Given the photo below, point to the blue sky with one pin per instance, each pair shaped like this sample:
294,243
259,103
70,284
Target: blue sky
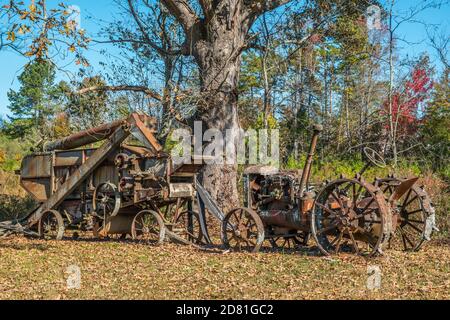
11,64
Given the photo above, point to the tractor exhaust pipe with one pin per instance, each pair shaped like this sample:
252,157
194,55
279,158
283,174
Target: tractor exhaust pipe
309,159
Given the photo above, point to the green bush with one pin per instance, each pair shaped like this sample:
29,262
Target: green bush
15,207
12,152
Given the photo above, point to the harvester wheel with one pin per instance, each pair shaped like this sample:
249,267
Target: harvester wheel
148,227
350,216
106,200
51,226
242,229
187,226
413,215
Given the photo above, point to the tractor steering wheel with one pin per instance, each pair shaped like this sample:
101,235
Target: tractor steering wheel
374,157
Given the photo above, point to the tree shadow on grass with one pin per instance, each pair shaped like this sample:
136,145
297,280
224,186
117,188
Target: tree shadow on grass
307,250
26,246
441,242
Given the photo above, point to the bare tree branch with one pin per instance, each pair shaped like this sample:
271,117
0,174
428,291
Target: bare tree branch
206,8
149,41
440,43
184,14
261,6
143,89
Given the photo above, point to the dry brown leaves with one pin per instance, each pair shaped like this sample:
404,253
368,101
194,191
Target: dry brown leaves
32,269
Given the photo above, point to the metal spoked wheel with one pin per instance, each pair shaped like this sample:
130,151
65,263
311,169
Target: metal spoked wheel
188,227
242,229
51,226
290,242
106,200
148,227
350,216
410,215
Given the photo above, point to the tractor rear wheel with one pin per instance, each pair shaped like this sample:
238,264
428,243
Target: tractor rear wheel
350,215
414,214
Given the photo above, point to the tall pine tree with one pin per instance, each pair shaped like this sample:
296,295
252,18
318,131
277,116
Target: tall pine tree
436,125
35,100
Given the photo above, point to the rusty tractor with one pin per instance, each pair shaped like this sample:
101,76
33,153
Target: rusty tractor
128,186
345,215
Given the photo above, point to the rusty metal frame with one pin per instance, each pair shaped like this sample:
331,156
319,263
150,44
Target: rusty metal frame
81,173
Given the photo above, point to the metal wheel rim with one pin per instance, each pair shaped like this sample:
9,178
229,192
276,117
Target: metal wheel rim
195,235
403,231
348,235
148,227
290,242
242,229
106,203
51,226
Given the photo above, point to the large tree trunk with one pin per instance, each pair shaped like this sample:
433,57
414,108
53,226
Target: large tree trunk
221,113
220,69
216,40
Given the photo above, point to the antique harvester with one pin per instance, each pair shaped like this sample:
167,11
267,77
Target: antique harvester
126,186
345,215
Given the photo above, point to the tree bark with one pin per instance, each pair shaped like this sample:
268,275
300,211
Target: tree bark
220,69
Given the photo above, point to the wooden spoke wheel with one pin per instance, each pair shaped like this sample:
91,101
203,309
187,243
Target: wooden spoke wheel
51,226
290,242
242,229
410,215
350,216
187,226
148,227
106,200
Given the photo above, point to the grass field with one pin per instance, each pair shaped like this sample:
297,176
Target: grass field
35,269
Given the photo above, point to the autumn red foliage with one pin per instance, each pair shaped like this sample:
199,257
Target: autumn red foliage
407,106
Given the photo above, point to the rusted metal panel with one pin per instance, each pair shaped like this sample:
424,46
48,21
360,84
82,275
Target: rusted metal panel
145,134
69,158
117,225
36,166
61,175
403,187
105,173
39,189
36,173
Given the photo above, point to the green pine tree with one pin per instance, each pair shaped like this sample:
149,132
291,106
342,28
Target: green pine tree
437,123
34,102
